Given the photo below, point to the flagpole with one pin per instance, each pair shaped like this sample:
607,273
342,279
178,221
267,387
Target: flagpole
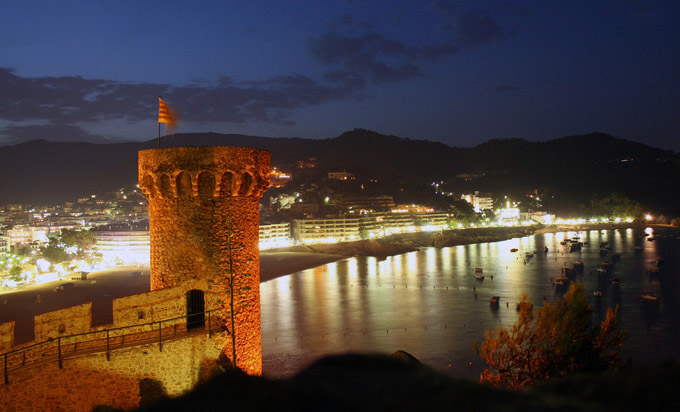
159,125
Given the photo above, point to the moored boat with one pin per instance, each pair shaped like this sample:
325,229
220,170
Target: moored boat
648,298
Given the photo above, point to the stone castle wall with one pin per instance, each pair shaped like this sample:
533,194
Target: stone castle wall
63,322
204,222
90,380
6,336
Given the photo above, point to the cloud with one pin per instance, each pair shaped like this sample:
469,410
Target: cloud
383,60
469,25
71,99
14,134
386,60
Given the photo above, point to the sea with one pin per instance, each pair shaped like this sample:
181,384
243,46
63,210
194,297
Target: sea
431,304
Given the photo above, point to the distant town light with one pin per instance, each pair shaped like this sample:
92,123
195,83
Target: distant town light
649,217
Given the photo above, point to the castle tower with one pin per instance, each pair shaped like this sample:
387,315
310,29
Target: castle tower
204,222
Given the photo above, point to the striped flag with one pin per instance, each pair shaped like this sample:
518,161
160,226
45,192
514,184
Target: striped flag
166,114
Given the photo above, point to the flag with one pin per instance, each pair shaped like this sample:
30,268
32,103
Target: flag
166,114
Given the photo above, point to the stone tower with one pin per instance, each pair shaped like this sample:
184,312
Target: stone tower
204,222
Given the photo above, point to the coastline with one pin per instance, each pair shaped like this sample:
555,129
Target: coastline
285,261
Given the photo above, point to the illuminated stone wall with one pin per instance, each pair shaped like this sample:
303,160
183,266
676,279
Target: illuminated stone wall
159,304
204,216
91,380
6,336
63,322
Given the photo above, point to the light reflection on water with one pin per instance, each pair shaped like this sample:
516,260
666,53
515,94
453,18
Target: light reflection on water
429,303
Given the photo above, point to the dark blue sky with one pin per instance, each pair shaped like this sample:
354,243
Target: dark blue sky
459,72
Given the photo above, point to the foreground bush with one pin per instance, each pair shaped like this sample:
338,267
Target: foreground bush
561,340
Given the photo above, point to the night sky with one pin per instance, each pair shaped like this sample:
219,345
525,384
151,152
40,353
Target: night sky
459,72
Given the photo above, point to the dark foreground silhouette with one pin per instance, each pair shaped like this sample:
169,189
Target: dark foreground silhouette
401,383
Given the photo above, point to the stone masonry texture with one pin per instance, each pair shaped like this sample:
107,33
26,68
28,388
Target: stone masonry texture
204,217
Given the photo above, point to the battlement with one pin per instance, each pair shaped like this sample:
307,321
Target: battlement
203,172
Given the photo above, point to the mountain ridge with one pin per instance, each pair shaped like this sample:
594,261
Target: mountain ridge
43,172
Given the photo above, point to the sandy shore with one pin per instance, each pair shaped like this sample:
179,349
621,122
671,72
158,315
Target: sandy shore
284,262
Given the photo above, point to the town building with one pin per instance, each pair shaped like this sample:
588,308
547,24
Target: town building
479,203
275,235
325,230
340,175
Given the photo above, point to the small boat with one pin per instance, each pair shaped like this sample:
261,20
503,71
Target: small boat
564,242
650,239
562,281
570,270
529,254
578,264
616,255
494,300
513,250
607,265
574,247
479,277
597,294
601,271
616,281
479,270
648,298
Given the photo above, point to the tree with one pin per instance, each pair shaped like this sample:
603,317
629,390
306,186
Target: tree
83,240
561,340
54,252
615,205
15,273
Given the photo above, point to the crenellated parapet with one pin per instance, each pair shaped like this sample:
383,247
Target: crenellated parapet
203,224
218,172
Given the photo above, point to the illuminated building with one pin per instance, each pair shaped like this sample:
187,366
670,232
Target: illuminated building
127,247
540,217
278,178
275,235
366,204
325,230
340,175
479,203
508,215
